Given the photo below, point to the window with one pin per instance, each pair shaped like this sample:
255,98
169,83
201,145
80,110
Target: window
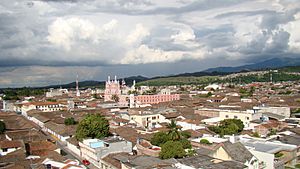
247,118
4,149
235,117
226,116
153,118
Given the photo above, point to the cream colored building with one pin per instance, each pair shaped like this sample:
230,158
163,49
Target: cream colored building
148,119
41,106
244,116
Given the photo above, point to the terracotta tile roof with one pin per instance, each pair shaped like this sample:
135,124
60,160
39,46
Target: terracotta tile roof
40,103
11,144
15,122
38,147
15,160
26,135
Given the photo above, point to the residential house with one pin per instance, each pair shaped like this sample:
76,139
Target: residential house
271,154
41,106
95,149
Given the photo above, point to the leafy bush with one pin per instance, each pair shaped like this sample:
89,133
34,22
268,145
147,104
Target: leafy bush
204,141
278,155
256,135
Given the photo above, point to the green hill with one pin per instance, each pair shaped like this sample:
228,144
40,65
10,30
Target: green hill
166,81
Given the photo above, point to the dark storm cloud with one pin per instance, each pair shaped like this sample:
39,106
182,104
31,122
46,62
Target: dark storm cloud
148,37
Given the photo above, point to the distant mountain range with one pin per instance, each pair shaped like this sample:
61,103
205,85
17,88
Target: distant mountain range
267,64
92,83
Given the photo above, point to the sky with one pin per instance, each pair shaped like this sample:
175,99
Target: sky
51,41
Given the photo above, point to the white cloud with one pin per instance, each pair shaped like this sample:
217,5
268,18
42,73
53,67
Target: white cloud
65,32
137,35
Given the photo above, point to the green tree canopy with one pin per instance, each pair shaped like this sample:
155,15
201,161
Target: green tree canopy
93,126
159,138
70,121
2,127
228,127
186,144
186,134
172,149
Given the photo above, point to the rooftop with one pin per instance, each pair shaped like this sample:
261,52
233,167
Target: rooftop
203,161
267,146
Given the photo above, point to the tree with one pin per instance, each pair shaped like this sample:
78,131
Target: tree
159,138
186,144
174,132
70,121
172,149
115,98
228,127
93,126
186,134
2,127
227,122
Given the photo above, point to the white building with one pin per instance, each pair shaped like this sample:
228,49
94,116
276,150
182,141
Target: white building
271,154
56,92
282,111
94,149
41,106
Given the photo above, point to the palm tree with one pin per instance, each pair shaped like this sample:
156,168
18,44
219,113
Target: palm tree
115,98
174,132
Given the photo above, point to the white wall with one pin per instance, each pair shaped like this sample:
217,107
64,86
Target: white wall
265,157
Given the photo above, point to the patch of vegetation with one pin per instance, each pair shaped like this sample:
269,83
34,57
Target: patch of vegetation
296,111
256,135
228,127
297,165
272,132
70,121
168,81
172,149
278,155
15,94
173,143
205,141
92,126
